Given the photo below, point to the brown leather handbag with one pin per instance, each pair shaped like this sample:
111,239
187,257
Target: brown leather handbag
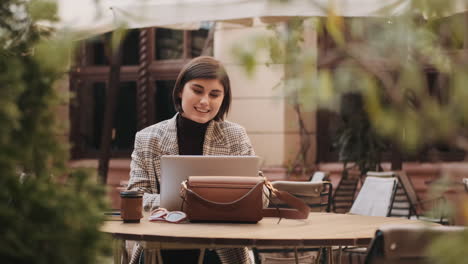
235,199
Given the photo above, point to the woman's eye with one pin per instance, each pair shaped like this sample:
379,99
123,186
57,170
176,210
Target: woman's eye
214,95
197,91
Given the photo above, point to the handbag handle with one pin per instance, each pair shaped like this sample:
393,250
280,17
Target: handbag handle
206,201
300,210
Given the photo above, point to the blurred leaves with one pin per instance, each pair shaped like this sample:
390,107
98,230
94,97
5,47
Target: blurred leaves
334,26
43,10
409,70
48,213
61,47
117,38
450,248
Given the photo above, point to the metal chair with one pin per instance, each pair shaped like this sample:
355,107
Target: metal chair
374,199
417,207
319,176
400,205
318,196
301,260
375,196
405,244
345,192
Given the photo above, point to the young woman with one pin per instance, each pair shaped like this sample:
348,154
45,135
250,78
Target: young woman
202,97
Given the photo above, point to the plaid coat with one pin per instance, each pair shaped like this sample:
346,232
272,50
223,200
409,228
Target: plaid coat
221,138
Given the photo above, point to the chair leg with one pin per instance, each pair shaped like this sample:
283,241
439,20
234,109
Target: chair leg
256,256
202,256
296,256
159,255
318,260
330,255
340,251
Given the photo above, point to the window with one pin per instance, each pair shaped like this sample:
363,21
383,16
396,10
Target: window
163,98
170,50
169,44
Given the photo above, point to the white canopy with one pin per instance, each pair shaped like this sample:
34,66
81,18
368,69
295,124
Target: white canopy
90,18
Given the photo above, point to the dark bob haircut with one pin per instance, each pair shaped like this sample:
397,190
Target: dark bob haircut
203,67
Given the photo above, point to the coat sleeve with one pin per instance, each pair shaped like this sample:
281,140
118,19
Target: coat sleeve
141,171
245,144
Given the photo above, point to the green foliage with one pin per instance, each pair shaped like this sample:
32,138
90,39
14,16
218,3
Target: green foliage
388,61
40,9
48,214
449,249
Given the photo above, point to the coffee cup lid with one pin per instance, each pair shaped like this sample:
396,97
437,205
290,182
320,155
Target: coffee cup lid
131,194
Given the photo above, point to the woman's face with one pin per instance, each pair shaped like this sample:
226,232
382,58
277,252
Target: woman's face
201,99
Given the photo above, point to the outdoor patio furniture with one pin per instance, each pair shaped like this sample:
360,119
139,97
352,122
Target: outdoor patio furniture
381,174
320,176
417,207
405,244
374,199
306,259
343,196
405,202
400,205
320,229
375,196
318,197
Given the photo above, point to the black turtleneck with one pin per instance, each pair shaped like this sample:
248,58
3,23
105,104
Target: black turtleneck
190,136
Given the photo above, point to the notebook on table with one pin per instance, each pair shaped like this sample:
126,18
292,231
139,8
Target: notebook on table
177,168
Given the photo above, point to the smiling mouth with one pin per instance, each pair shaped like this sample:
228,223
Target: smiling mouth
204,111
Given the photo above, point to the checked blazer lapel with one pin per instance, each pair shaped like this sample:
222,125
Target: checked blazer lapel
169,145
215,142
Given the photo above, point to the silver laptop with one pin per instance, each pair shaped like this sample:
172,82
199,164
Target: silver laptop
176,169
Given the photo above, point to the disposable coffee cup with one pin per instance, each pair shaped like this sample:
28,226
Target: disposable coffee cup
131,206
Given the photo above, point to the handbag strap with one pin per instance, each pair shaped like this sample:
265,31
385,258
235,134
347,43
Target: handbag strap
208,202
300,210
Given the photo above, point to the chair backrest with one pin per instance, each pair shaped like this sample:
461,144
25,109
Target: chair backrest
319,176
405,244
309,258
344,194
400,205
381,173
410,191
375,196
317,195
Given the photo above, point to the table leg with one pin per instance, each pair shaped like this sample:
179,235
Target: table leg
340,251
202,255
160,260
319,255
296,256
330,255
